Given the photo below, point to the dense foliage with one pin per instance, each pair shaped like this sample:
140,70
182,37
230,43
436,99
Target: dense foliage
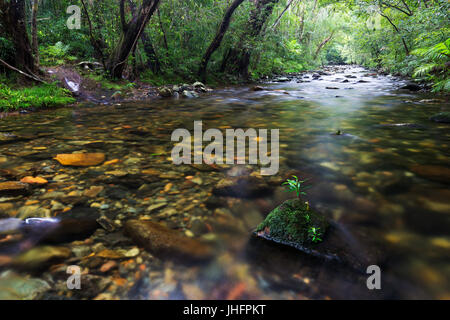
399,36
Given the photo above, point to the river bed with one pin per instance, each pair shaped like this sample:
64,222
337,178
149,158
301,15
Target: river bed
384,179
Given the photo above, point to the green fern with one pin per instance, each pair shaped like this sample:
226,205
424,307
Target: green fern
434,66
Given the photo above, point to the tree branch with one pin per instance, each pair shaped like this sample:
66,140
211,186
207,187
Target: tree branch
33,77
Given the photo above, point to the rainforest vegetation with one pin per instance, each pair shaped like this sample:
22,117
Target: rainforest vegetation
163,41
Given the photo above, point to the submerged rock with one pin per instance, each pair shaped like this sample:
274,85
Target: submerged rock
14,188
167,243
76,224
441,117
41,257
242,187
257,88
16,287
80,159
432,172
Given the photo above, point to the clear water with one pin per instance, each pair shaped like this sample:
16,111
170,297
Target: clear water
368,179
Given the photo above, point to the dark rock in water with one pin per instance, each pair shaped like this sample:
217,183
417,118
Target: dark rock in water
117,193
257,88
363,81
431,172
441,117
165,92
6,138
350,76
412,87
290,224
167,243
242,187
76,224
332,88
37,156
214,202
345,81
14,188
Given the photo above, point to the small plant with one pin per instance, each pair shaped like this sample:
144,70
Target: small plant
296,186
307,217
314,234
55,55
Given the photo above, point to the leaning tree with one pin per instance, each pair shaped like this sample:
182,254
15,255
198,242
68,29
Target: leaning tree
237,58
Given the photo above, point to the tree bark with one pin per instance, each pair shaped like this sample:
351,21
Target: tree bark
282,14
134,28
152,58
237,59
322,44
97,43
13,21
34,38
215,44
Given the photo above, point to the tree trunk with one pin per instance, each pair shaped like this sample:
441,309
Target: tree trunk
131,33
237,59
322,44
97,42
34,38
398,31
152,58
282,14
13,21
215,44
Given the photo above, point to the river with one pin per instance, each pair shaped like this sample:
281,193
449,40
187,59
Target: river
377,166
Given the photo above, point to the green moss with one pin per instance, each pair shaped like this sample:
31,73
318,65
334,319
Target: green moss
43,96
116,85
293,221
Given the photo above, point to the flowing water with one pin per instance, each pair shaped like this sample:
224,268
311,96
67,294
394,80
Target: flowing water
384,180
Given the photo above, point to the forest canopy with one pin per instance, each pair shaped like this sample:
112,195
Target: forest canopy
173,40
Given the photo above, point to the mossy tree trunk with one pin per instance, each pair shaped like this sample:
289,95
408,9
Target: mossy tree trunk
14,24
237,59
131,32
34,37
215,44
152,58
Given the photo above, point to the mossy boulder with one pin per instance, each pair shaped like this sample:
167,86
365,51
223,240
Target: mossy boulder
293,222
290,225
